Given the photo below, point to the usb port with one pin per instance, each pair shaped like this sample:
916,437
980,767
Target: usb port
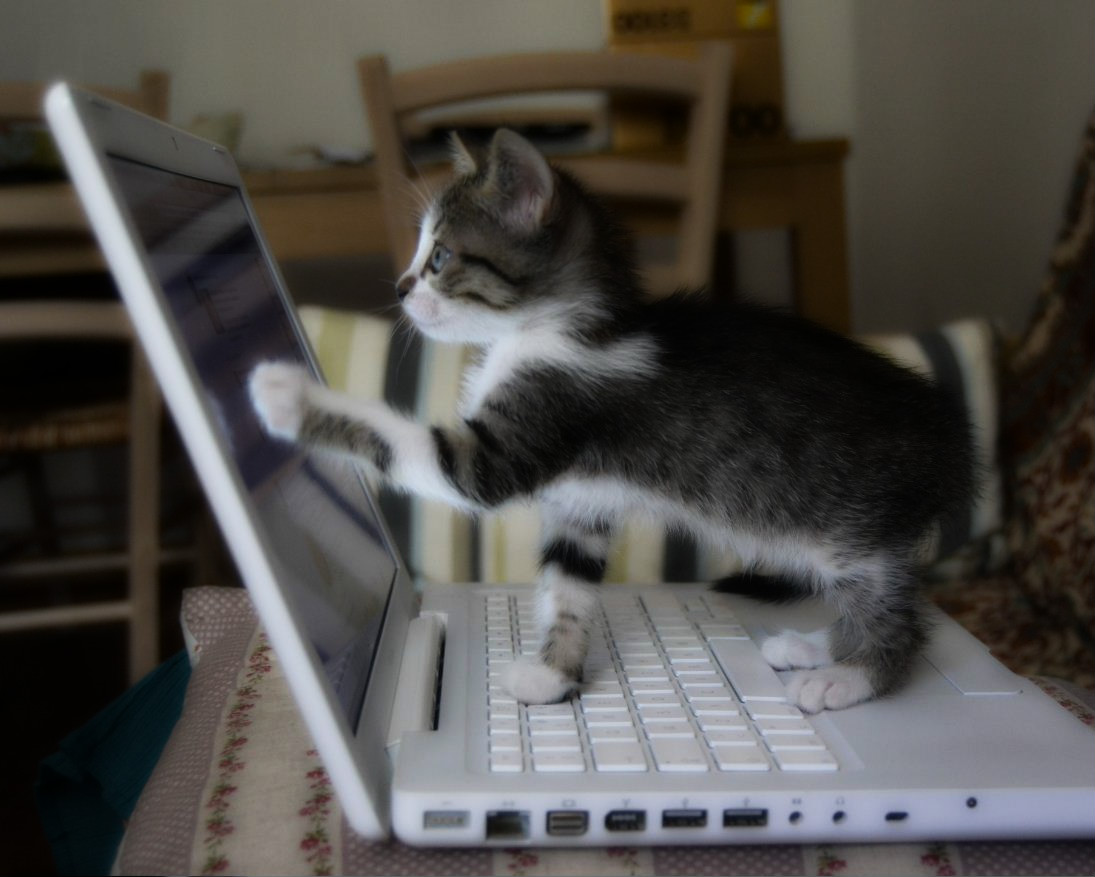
625,820
507,824
567,822
684,818
745,817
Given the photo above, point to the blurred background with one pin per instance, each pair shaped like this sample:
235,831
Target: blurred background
956,125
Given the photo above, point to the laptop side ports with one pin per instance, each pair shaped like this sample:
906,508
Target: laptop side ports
567,823
625,820
507,825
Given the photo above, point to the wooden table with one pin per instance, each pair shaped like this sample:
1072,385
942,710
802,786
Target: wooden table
336,212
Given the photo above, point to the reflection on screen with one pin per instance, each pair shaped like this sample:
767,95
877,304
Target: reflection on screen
336,569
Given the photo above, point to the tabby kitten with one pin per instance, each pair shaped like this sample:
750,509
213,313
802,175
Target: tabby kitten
810,456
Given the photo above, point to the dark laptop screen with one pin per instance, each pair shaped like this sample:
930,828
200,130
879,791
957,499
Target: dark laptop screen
320,523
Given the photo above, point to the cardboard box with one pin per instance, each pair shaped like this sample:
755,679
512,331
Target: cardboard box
646,21
667,27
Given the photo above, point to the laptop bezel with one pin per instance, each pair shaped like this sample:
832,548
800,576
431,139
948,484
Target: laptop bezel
88,129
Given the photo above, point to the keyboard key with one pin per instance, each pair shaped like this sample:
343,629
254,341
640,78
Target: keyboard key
502,710
773,727
678,755
715,708
663,714
747,671
594,688
538,712
619,756
601,707
503,726
795,741
650,686
669,729
709,694
761,710
723,631
506,762
645,700
609,720
805,760
730,737
547,727
712,723
743,758
558,762
556,743
612,733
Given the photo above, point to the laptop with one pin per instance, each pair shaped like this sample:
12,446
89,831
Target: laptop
680,733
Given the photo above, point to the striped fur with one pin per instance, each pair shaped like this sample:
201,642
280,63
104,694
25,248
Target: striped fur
810,456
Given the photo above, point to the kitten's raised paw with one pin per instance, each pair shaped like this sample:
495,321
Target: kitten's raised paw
795,651
278,391
829,688
531,681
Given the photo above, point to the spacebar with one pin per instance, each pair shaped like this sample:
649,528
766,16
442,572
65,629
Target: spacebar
747,671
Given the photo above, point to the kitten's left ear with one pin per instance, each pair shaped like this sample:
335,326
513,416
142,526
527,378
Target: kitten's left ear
463,162
523,179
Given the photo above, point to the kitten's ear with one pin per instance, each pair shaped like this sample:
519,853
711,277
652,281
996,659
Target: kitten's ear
463,162
522,178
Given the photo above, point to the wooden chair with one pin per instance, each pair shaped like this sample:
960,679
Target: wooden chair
689,182
25,437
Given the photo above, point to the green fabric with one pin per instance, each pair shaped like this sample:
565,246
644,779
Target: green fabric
87,790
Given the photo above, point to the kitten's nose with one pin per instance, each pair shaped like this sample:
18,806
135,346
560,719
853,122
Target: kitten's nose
405,285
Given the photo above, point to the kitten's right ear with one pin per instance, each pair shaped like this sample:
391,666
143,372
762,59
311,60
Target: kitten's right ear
463,162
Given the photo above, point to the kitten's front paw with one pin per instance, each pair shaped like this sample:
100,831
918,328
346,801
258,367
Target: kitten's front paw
790,650
531,681
829,688
279,395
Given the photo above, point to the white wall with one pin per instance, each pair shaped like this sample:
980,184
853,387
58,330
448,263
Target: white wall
963,116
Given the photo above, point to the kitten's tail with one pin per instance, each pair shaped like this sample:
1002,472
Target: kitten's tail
758,586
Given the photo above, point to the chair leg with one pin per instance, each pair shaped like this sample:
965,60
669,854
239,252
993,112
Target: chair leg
144,518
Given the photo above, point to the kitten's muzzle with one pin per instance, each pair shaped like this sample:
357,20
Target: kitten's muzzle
405,285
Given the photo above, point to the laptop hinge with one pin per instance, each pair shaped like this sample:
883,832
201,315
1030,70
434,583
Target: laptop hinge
416,689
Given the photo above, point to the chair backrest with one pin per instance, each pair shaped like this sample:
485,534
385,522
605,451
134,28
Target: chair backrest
23,100
690,181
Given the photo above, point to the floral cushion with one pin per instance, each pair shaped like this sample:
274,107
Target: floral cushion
239,789
1049,427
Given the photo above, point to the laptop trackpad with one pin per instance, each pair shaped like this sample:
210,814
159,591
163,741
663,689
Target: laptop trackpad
967,665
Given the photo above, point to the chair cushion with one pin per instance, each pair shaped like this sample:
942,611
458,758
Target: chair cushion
361,353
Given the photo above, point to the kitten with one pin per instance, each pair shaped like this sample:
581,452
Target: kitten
810,456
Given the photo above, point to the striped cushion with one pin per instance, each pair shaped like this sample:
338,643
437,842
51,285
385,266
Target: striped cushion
360,353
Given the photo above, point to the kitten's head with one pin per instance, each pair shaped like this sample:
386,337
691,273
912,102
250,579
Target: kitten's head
510,243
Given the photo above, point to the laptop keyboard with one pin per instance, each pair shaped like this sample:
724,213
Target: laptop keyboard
670,684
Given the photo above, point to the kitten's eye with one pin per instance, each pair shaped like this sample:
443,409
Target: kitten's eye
439,257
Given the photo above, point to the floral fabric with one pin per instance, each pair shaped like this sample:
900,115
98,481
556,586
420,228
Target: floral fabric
240,790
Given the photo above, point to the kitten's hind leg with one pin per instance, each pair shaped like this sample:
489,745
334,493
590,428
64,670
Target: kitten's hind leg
572,563
880,630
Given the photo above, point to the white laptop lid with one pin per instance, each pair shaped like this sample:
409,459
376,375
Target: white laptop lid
179,234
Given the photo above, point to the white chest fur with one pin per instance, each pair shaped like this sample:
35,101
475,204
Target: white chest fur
627,358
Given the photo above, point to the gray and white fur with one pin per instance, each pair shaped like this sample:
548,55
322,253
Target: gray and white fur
813,458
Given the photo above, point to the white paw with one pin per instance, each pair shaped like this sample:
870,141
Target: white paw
279,394
790,650
829,688
531,681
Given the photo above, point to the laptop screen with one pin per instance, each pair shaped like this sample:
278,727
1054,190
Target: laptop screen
320,522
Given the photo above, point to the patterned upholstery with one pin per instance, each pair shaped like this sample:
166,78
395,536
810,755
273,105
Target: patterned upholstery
360,354
1040,617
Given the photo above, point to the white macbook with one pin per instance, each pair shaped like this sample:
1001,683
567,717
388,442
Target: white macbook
680,734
